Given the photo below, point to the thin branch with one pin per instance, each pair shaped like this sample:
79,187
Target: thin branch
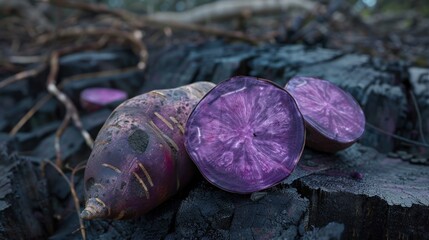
139,22
221,10
26,59
202,29
53,89
99,74
30,114
397,137
132,38
57,143
79,167
74,195
419,116
23,75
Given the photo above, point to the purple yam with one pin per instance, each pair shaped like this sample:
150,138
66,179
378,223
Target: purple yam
139,159
245,135
95,98
334,120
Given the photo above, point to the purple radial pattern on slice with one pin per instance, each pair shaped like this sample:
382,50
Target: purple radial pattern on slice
245,135
332,113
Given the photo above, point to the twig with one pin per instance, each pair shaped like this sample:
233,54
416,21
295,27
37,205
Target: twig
80,166
397,137
22,75
221,10
57,143
29,114
139,22
133,38
419,116
99,74
391,17
206,30
47,97
74,195
26,59
53,89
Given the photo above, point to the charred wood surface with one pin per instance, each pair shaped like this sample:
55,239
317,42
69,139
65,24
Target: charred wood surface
25,211
374,196
357,193
216,214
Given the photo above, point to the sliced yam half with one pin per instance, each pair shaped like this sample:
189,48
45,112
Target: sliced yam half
245,135
333,118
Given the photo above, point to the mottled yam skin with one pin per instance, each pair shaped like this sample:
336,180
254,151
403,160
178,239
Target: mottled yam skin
245,135
333,118
139,159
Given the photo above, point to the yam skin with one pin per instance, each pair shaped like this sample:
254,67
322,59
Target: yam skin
139,159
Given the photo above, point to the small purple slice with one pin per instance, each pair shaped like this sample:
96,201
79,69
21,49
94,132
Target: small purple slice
95,98
334,119
245,135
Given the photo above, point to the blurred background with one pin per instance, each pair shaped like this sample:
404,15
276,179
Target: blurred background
392,29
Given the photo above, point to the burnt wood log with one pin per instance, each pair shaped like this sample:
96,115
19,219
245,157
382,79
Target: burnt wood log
205,212
215,214
154,225
331,231
374,196
25,211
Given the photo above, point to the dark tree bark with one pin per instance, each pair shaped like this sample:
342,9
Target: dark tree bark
375,197
25,211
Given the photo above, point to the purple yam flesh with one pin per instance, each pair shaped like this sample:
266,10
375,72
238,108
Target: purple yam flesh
245,135
95,98
139,159
333,118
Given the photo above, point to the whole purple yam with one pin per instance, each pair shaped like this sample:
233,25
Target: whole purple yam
95,98
333,118
139,158
245,135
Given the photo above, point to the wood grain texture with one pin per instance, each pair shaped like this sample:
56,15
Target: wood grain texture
376,197
24,205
